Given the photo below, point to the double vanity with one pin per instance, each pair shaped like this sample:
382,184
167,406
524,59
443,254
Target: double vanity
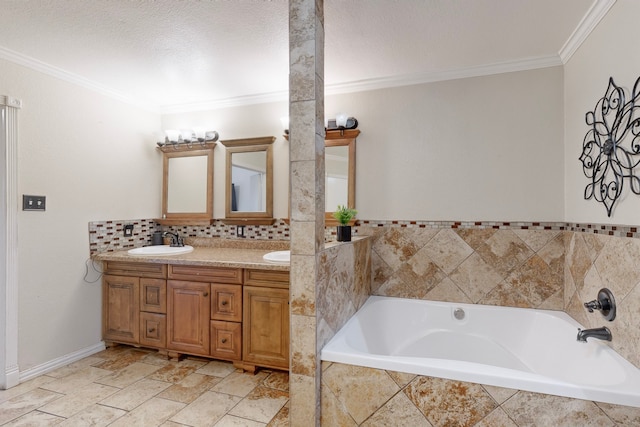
223,301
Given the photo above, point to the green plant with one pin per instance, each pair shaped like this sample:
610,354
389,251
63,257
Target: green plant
344,214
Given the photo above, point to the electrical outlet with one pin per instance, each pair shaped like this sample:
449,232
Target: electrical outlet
128,230
240,231
33,203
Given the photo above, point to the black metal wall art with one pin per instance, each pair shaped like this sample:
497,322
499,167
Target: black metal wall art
605,160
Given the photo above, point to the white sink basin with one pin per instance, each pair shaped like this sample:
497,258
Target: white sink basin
160,250
278,256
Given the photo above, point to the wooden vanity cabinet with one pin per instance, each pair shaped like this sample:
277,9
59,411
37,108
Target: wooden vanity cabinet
266,319
205,311
188,312
234,314
134,303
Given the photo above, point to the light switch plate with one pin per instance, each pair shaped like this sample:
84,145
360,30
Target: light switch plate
33,203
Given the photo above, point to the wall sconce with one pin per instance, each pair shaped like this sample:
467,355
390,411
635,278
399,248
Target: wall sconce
285,124
188,137
341,122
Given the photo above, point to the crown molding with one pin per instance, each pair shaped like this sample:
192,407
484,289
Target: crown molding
588,23
61,74
215,104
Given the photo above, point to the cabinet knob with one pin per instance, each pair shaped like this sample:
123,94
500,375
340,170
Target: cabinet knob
152,330
224,340
225,302
206,294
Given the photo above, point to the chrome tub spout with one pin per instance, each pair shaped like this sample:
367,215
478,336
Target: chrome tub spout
600,333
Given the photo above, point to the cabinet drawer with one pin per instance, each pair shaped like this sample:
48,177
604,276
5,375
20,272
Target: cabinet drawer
226,340
153,295
206,274
267,278
153,330
138,269
226,302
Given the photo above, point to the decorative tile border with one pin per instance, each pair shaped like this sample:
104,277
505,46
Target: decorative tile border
106,236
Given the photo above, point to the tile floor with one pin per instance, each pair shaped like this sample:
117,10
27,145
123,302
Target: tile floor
126,386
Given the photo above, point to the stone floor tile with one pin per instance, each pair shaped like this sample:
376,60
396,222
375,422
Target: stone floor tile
79,400
76,380
25,403
188,390
278,380
282,418
24,387
153,412
217,369
136,394
206,410
175,372
231,421
95,416
129,375
76,366
262,404
240,383
120,357
35,419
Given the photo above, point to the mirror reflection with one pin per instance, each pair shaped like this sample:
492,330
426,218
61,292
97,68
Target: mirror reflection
336,175
340,170
187,185
249,181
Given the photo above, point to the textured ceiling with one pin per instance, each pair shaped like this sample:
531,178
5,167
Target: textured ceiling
174,55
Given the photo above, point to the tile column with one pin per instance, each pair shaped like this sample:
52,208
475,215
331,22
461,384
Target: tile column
306,166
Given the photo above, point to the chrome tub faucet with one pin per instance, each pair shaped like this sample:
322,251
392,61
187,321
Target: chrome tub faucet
600,333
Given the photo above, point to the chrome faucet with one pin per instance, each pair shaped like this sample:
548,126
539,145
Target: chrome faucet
176,240
600,333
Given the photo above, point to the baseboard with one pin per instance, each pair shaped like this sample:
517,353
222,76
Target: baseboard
61,361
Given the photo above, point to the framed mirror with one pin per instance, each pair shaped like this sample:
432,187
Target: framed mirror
340,171
249,181
187,184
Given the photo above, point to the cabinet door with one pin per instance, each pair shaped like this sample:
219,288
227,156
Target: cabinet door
226,302
265,334
226,340
120,309
188,308
153,330
153,295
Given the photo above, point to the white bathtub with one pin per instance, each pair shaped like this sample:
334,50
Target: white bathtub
533,350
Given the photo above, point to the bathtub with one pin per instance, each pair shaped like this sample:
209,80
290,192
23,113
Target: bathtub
524,349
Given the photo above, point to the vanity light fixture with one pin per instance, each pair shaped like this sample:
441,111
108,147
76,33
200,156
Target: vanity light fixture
285,124
187,137
341,120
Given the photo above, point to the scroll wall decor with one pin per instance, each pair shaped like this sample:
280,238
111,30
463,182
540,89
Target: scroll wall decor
605,160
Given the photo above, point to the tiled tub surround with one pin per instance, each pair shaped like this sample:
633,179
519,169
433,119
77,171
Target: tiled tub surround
360,396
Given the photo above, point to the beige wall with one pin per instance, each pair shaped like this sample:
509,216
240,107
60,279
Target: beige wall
93,158
610,51
486,148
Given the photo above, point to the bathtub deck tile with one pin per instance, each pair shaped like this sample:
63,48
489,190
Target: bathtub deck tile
445,402
361,390
398,411
621,415
535,409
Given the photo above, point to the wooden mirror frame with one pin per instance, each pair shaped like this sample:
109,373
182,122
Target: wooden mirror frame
247,145
339,138
187,218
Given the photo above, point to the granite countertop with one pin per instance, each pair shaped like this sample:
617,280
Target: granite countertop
244,255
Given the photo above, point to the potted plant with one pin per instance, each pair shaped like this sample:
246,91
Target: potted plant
344,214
